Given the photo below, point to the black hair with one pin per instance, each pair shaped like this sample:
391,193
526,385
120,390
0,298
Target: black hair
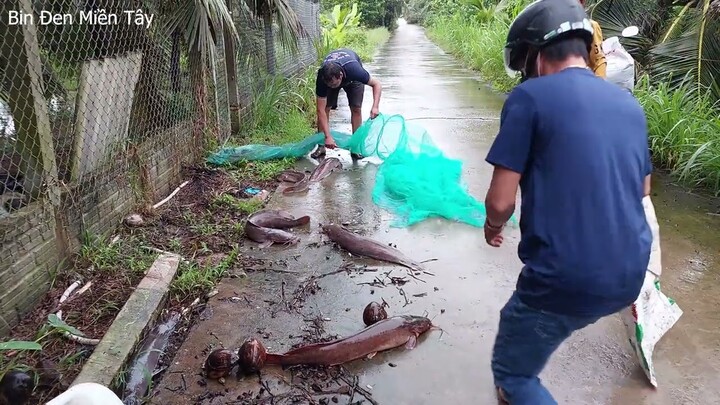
561,49
330,71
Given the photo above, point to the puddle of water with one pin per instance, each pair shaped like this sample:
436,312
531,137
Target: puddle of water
143,365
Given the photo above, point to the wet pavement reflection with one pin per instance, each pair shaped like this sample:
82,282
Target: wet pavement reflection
472,280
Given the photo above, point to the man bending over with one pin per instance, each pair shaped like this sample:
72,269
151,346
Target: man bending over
342,68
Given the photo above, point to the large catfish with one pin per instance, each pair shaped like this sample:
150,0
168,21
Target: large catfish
325,168
266,227
364,246
383,335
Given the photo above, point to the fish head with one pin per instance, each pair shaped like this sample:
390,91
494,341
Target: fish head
291,240
417,324
327,229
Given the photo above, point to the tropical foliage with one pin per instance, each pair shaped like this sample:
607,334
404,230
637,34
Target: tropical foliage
374,13
676,37
337,25
342,27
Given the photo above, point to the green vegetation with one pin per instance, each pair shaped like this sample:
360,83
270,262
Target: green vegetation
194,277
479,47
373,13
19,351
685,131
342,27
677,53
114,269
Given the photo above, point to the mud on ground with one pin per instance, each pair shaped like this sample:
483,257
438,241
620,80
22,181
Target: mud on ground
203,223
278,307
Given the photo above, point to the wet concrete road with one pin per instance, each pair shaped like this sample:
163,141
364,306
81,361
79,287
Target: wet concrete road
472,280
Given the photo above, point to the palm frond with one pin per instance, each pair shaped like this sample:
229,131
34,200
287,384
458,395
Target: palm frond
290,28
201,21
615,15
696,51
248,53
677,23
701,39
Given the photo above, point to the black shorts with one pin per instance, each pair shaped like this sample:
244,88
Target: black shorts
354,92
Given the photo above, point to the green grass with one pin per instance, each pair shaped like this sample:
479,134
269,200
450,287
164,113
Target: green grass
193,277
245,206
477,45
124,259
684,124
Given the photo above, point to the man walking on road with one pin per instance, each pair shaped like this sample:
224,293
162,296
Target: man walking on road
583,172
342,68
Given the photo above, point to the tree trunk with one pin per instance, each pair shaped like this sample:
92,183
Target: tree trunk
269,43
231,74
197,72
175,62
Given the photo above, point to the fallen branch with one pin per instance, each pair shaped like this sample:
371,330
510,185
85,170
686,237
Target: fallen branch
412,274
353,389
356,387
69,290
168,198
254,269
66,300
402,292
81,340
342,269
65,297
282,291
191,306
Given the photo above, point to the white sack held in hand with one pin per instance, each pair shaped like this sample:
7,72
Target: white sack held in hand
620,65
653,313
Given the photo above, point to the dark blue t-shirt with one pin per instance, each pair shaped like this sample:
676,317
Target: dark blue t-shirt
352,68
581,146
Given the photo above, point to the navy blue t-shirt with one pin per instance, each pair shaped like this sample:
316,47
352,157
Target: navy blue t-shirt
581,146
352,68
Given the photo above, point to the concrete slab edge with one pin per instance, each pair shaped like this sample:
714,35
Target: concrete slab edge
136,317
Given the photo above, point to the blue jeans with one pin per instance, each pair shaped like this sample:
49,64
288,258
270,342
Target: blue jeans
526,339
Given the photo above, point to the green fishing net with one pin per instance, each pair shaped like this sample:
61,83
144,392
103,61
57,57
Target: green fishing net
415,180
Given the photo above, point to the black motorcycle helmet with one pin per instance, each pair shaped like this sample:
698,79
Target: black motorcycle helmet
540,23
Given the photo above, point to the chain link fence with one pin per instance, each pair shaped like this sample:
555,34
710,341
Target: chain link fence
98,119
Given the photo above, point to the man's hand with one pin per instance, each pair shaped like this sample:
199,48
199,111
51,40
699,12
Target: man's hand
377,91
493,234
374,112
330,142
